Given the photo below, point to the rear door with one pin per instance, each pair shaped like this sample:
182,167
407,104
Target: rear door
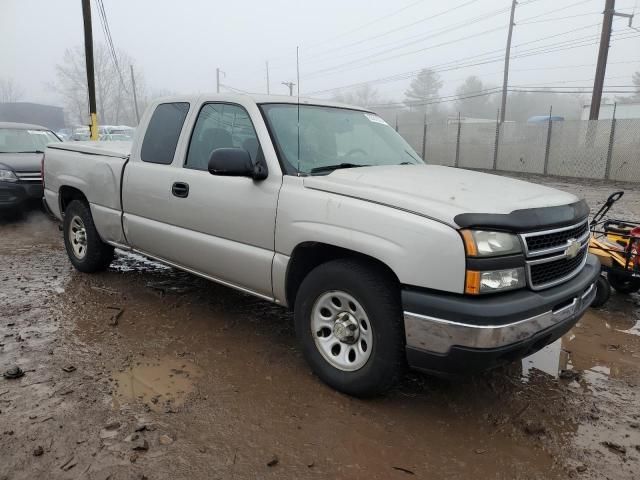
147,186
221,227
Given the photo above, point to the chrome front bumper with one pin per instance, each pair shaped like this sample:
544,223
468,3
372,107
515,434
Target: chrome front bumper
438,335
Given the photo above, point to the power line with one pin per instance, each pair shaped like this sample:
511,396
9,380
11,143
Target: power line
468,58
379,19
357,62
469,61
555,10
455,98
420,37
337,67
559,18
107,32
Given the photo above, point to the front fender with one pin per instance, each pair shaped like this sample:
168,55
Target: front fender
420,251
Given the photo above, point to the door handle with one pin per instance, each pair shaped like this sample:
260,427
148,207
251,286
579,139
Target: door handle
180,189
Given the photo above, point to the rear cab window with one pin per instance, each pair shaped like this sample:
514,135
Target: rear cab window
162,134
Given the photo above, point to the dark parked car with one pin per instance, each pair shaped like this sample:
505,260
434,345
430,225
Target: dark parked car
21,150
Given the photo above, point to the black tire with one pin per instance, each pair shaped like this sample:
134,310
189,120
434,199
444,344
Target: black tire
96,255
378,294
623,283
603,292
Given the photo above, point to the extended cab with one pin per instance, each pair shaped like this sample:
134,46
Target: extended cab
324,208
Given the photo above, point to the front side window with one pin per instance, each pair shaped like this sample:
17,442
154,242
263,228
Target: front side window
18,140
163,132
221,125
329,137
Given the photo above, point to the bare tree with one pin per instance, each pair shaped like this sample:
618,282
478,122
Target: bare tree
114,91
10,91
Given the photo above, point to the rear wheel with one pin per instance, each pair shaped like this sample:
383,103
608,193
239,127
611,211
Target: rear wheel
623,283
86,250
349,323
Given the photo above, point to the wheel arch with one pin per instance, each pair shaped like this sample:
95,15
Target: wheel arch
308,255
67,194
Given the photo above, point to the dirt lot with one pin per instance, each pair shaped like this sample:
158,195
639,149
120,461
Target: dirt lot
146,372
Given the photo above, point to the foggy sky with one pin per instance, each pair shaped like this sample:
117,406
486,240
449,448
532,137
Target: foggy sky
179,44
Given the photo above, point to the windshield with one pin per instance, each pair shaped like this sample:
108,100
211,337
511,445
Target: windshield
14,140
333,138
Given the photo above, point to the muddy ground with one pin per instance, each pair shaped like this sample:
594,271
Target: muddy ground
146,372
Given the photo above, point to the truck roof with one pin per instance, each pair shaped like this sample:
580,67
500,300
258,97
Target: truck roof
257,98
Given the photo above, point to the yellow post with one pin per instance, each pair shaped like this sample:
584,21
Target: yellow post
94,126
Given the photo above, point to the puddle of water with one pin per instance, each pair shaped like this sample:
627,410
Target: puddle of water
635,330
160,384
550,360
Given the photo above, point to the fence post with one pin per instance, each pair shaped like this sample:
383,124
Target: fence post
424,138
607,168
458,144
495,146
548,147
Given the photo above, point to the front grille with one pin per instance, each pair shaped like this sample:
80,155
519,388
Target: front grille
554,239
547,273
31,177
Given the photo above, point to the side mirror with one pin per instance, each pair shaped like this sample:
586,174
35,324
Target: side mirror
231,162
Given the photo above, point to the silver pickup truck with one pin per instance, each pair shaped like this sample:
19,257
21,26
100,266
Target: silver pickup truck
323,208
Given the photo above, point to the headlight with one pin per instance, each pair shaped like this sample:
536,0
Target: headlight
494,280
481,243
7,176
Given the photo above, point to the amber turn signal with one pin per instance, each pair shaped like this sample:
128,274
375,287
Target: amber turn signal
469,243
472,283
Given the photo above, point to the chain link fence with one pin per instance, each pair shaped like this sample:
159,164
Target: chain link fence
595,149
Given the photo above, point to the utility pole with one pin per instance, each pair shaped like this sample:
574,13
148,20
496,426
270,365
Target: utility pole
217,80
88,55
507,54
290,85
135,95
267,64
603,53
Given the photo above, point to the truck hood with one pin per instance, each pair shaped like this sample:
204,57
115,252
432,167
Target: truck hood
438,192
21,162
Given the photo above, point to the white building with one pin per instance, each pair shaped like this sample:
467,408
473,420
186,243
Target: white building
623,110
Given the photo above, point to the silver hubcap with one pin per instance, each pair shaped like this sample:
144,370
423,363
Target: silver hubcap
341,330
78,237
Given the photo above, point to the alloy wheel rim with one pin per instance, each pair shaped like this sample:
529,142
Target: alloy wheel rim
78,237
341,330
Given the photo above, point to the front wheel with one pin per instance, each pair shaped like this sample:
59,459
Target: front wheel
349,322
86,250
623,283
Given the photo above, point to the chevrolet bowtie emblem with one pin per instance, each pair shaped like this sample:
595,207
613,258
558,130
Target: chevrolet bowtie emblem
573,249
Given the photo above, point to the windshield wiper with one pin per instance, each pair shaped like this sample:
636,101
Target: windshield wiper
331,168
30,151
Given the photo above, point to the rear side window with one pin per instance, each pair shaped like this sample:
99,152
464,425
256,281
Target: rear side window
163,131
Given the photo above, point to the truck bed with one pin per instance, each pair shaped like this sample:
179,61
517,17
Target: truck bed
108,149
95,169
